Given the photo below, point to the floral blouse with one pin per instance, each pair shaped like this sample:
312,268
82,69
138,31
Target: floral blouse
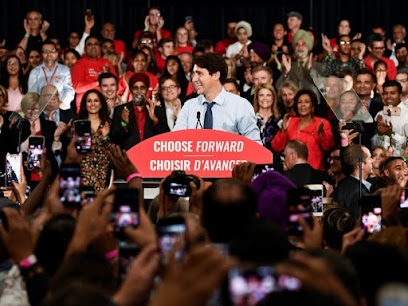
268,131
95,167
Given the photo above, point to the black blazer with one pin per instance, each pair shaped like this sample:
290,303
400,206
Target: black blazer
127,139
347,195
304,174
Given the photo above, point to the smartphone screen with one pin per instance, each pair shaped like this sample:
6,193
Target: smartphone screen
249,286
316,198
127,253
70,185
178,189
404,199
87,194
83,136
261,168
170,231
35,150
13,169
299,206
125,208
371,219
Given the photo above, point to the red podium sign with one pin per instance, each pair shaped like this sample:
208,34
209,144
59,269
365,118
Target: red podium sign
206,153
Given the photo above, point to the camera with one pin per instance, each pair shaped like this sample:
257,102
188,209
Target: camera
178,184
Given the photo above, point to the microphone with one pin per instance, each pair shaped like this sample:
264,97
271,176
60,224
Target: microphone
198,120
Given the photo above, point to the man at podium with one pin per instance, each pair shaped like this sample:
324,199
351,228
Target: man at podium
215,108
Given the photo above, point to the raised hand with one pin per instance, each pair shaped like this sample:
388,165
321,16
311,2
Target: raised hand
285,123
125,115
151,106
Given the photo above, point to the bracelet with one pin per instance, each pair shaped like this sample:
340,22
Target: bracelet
123,124
279,67
27,35
132,176
28,262
344,141
57,140
112,254
145,30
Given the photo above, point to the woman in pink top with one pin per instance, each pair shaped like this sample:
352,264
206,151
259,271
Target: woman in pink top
14,81
315,132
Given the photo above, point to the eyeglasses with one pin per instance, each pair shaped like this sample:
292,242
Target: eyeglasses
333,158
166,88
402,80
155,15
12,63
50,96
32,109
146,41
344,42
378,48
49,51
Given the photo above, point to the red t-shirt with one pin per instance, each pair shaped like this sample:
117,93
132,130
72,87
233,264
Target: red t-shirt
188,49
84,74
392,70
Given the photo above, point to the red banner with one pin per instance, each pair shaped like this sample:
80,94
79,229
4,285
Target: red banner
206,153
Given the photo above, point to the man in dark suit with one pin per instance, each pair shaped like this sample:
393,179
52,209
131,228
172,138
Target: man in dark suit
140,119
347,191
299,170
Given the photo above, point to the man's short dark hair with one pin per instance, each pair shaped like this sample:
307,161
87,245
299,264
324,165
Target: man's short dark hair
402,70
400,46
390,160
106,40
339,38
165,78
299,147
164,41
336,222
49,42
233,82
373,38
207,44
366,71
89,37
214,63
107,75
392,83
350,159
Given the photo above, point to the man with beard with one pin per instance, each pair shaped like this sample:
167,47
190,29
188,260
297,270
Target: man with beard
86,71
334,66
138,120
303,69
395,171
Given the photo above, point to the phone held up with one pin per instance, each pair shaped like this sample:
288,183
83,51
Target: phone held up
125,209
371,217
83,136
70,185
13,169
299,202
35,151
171,231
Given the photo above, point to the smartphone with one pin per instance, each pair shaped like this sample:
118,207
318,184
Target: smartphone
171,230
13,169
35,151
404,199
70,185
371,219
125,209
299,206
89,14
250,285
261,168
392,111
178,189
83,136
316,200
127,253
87,195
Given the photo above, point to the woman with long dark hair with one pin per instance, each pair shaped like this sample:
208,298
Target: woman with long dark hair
175,70
95,167
14,81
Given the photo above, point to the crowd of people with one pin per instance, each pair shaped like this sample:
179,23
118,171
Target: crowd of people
333,111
